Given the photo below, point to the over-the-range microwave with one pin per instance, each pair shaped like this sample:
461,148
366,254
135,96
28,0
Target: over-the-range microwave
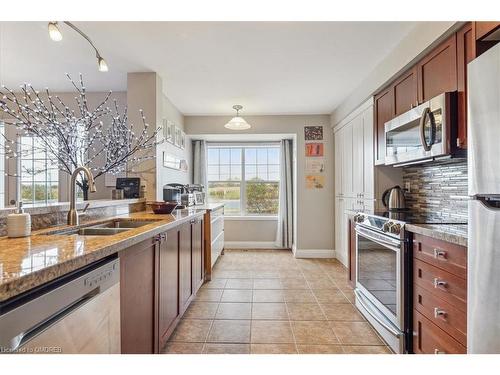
424,133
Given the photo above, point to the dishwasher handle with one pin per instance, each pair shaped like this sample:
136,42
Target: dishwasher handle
26,336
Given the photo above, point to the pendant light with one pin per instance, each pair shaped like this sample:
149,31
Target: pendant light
237,123
56,35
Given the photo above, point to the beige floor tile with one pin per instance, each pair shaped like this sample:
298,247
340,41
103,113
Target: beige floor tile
355,333
230,331
342,283
299,296
239,284
330,296
211,348
191,330
236,295
232,310
290,273
349,294
263,295
269,311
201,310
294,284
271,332
341,311
367,349
265,274
273,349
322,283
209,295
267,284
319,349
313,333
214,284
183,348
305,311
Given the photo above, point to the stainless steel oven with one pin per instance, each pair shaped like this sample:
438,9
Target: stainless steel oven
381,277
423,133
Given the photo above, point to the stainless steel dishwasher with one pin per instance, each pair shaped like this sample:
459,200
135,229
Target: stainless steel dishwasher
77,313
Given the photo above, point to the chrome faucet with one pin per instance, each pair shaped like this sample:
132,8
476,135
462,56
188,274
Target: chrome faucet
73,213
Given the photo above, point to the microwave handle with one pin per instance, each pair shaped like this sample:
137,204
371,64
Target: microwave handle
425,113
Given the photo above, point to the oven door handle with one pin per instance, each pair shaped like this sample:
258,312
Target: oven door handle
393,245
395,332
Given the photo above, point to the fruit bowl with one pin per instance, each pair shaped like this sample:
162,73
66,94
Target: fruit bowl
162,208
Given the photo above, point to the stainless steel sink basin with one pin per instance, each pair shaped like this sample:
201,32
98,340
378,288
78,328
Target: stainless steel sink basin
107,228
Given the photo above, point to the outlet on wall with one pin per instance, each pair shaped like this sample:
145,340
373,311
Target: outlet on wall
408,186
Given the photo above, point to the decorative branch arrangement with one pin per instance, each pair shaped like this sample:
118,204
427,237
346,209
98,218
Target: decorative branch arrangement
98,138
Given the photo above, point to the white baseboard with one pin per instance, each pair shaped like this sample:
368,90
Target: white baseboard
314,253
250,245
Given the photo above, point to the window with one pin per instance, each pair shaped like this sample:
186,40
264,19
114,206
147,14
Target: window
39,172
245,178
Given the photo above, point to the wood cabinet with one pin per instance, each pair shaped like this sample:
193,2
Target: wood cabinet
198,269
484,28
405,92
383,112
437,71
185,267
168,284
439,296
465,54
138,297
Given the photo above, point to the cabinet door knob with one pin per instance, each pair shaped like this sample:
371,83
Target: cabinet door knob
438,253
438,282
438,312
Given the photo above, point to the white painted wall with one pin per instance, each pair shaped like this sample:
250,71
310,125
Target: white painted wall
314,207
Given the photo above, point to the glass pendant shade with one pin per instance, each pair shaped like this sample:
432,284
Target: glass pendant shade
103,66
237,123
54,32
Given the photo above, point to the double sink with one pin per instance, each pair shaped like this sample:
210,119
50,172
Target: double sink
107,228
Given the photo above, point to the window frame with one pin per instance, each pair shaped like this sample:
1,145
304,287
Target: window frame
243,215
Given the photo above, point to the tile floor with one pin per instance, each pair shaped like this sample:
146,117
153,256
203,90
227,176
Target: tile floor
268,302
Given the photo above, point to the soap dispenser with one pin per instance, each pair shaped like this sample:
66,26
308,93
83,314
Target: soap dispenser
19,224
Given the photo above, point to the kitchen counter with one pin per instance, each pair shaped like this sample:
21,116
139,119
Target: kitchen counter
209,206
28,262
453,233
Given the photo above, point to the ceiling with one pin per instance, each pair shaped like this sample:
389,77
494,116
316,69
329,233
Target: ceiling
207,67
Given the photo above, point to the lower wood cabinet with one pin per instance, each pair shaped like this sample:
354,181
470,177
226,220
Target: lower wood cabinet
159,278
168,284
439,296
138,297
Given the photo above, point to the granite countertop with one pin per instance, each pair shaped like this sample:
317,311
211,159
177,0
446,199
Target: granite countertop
209,206
28,262
453,233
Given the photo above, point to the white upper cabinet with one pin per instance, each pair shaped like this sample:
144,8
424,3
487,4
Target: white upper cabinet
357,157
338,164
347,173
368,165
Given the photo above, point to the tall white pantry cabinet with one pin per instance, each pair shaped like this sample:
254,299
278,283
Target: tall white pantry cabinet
358,183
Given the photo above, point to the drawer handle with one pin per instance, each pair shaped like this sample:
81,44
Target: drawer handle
438,253
437,351
438,312
438,282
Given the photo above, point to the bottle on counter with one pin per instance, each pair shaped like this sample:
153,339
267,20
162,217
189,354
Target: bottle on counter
19,224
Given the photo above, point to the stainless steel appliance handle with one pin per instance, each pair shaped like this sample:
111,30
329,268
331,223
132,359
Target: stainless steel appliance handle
361,301
425,113
380,239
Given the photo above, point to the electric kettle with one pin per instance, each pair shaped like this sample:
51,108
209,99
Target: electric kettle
394,199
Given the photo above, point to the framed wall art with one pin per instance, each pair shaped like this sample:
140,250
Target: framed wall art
178,136
313,133
169,131
183,140
314,149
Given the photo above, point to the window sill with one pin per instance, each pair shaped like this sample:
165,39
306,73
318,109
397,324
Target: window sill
251,218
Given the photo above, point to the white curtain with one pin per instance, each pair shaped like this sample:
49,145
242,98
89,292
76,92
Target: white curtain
200,163
284,234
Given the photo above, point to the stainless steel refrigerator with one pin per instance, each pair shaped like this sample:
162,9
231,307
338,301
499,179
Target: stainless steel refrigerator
483,311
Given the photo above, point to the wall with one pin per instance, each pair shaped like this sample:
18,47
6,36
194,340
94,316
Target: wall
314,234
438,190
144,91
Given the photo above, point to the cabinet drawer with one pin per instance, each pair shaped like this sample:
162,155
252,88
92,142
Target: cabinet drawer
440,283
217,226
441,313
430,339
217,247
449,257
